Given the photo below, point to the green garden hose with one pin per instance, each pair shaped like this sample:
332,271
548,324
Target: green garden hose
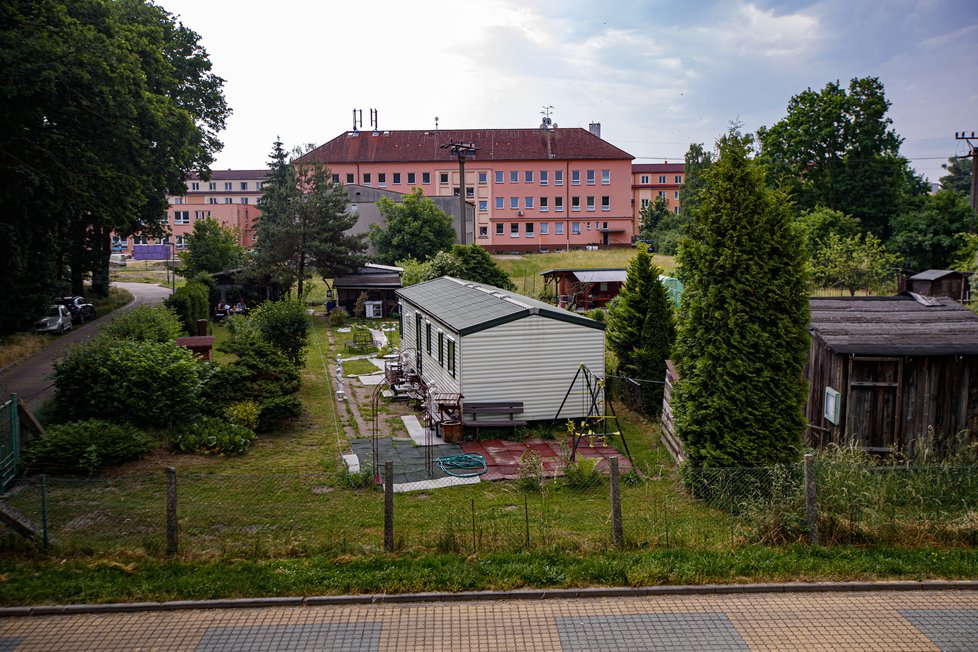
463,466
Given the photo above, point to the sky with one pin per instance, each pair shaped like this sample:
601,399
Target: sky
657,75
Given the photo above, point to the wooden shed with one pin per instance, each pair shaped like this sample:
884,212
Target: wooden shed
941,283
495,346
380,282
882,371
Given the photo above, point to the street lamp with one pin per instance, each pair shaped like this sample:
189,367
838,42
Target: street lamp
461,150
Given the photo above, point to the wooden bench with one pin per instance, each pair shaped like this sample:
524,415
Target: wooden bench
490,413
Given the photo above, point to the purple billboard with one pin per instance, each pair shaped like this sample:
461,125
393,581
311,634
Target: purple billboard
151,252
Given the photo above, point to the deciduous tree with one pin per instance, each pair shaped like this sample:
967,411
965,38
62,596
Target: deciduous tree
930,234
855,262
836,148
211,248
414,228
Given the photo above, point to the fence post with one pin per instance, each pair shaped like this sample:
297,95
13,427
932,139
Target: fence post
14,432
617,535
388,506
171,512
811,505
44,511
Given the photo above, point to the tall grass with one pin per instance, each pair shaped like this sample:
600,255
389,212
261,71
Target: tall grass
524,270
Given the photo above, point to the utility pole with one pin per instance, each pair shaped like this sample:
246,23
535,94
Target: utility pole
461,150
973,154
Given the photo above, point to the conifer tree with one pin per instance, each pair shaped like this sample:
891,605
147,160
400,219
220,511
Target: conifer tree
743,320
641,329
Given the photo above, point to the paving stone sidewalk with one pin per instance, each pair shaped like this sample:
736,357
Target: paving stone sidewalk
891,621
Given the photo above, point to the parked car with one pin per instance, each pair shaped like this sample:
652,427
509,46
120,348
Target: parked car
80,311
57,319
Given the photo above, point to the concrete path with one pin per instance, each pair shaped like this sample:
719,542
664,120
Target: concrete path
760,618
30,379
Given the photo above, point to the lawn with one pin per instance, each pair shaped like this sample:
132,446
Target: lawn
525,270
286,519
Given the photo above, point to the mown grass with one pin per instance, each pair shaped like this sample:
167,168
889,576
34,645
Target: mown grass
525,270
367,571
282,520
359,367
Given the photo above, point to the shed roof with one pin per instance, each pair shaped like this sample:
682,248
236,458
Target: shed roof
469,307
899,325
371,275
936,274
591,275
601,275
408,146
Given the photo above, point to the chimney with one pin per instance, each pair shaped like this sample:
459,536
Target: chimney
595,128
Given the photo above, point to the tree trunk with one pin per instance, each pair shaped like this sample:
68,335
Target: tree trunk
101,249
78,242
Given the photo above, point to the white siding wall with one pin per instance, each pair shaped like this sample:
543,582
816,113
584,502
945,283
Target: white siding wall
431,371
531,360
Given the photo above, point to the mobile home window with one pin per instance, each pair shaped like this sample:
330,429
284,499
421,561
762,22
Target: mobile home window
441,349
417,332
451,357
428,336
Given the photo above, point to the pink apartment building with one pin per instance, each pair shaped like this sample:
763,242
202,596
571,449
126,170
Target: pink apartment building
532,189
230,197
651,180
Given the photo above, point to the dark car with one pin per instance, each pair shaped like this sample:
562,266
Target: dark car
80,311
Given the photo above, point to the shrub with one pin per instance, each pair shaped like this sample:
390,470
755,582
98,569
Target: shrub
285,325
260,372
582,473
213,436
337,317
359,480
145,324
530,468
151,383
190,302
245,414
85,447
277,409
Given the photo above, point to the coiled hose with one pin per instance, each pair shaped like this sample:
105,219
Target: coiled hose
463,466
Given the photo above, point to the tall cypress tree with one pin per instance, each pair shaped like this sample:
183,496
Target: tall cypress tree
743,335
641,329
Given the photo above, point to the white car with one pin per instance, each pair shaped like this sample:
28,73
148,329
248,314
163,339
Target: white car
57,319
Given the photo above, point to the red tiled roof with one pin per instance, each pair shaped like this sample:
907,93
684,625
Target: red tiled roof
231,175
658,168
493,144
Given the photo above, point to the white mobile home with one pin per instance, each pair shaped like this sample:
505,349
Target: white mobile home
491,345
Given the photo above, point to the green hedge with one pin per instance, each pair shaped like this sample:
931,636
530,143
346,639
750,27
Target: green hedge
85,447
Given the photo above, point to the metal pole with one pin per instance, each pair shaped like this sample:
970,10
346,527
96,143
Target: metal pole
171,512
461,192
388,506
14,434
617,533
44,511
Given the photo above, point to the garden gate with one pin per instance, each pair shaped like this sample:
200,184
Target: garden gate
9,441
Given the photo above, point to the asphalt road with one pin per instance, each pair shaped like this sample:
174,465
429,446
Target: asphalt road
31,380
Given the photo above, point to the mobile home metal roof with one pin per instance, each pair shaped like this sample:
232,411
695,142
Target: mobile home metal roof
469,307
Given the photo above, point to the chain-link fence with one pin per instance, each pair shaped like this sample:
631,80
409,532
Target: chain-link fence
578,508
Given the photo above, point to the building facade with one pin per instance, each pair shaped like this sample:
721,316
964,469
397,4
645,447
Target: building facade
230,197
651,180
540,189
